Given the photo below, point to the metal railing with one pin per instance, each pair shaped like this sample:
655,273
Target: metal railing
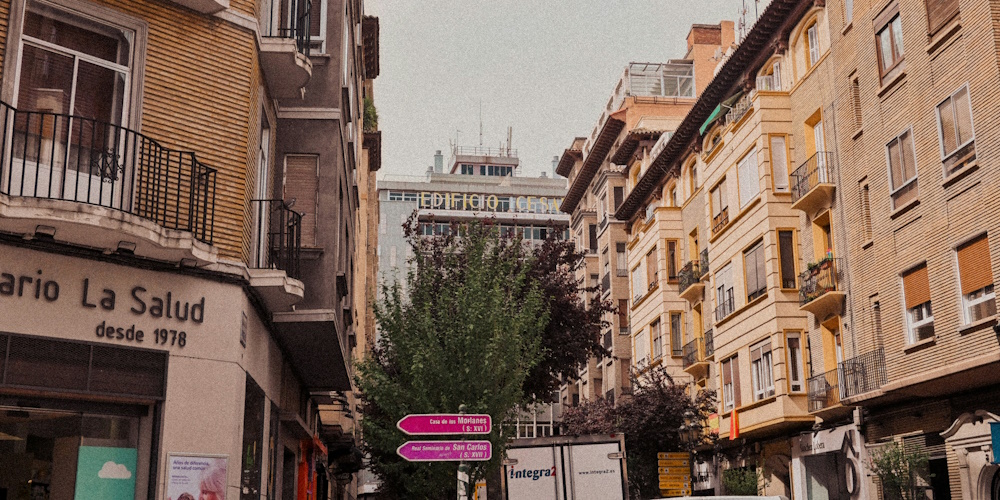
278,237
769,82
483,151
709,343
720,221
703,262
693,352
820,279
863,373
739,109
72,158
606,283
689,275
290,19
818,169
824,390
725,308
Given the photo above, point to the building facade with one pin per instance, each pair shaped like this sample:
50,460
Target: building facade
188,221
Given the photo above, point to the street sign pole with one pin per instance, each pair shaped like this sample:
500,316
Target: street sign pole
463,468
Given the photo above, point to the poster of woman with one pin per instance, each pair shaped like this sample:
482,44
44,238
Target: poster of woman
196,477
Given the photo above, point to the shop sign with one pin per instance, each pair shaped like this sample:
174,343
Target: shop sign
106,473
158,317
196,477
488,202
995,439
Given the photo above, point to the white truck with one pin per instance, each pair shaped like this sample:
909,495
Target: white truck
566,468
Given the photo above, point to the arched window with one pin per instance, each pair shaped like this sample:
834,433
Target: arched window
769,77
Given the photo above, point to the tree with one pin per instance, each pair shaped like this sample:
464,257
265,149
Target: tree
897,469
573,332
468,333
658,416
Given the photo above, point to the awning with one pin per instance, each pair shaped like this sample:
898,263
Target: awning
719,111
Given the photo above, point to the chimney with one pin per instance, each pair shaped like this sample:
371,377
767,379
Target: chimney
555,165
544,175
438,162
728,34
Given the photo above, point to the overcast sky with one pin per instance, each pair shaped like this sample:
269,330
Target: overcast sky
544,67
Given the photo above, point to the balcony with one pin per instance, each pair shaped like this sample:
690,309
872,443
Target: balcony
820,290
769,83
725,308
284,47
720,221
863,374
102,185
703,264
691,285
739,109
696,354
813,183
274,266
824,391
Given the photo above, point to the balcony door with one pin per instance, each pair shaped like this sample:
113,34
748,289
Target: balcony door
262,195
68,135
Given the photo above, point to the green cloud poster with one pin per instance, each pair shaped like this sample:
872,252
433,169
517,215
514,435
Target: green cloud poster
106,473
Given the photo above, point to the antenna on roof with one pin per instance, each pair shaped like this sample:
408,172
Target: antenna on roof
510,132
480,123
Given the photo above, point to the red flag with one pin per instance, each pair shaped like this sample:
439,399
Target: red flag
734,425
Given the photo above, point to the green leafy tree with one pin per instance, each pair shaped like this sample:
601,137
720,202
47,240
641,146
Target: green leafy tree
658,416
468,332
742,480
897,469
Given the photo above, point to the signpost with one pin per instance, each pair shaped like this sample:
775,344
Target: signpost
674,473
445,451
445,423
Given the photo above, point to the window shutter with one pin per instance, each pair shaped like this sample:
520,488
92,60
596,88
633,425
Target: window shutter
940,12
748,178
301,178
779,163
974,265
916,287
736,381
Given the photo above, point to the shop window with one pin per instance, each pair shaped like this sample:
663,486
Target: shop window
889,36
958,140
761,371
902,169
917,293
753,269
976,280
253,439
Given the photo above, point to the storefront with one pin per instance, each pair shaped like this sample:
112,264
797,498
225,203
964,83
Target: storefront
829,464
118,382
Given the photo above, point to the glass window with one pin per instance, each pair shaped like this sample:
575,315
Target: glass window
724,293
761,371
890,47
812,40
652,269
638,282
621,258
657,338
749,178
730,384
786,256
753,268
720,206
954,116
919,316
676,334
672,260
902,169
976,280
779,163
796,370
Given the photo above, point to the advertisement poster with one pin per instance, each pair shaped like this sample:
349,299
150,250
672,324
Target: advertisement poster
196,477
106,473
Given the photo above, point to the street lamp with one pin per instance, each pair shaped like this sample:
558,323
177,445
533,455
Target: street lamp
688,432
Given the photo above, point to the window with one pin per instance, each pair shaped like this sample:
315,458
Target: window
724,292
692,171
939,12
749,178
856,102
761,371
468,169
890,43
976,280
812,45
902,169
657,338
621,259
672,260
917,292
652,269
623,316
730,384
848,11
866,213
779,163
753,268
676,334
619,195
638,283
786,258
720,206
592,231
958,141
796,369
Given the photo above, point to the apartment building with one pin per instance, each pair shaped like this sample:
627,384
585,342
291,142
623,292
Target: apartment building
739,225
649,101
178,228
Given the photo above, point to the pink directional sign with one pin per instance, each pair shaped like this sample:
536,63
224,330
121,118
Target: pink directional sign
445,423
446,451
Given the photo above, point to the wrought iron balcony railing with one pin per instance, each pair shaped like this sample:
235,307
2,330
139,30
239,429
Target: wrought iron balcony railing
818,169
689,275
739,109
709,343
822,277
720,221
725,307
72,158
863,373
278,232
694,352
703,262
824,390
290,19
